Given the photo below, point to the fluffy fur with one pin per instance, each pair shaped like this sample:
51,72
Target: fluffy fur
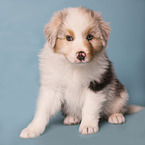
76,74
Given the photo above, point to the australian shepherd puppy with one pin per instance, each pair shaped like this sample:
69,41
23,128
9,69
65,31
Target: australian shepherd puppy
76,74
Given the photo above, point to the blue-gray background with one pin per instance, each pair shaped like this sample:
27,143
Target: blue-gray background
21,38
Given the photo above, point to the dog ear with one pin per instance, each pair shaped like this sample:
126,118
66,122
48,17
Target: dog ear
103,28
105,31
52,28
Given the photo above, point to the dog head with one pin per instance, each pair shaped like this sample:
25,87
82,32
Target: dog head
77,33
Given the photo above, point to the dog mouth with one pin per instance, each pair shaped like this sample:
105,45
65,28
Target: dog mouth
82,62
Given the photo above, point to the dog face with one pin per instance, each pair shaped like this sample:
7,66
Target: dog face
77,33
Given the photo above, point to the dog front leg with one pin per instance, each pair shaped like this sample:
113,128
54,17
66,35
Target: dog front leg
91,112
49,102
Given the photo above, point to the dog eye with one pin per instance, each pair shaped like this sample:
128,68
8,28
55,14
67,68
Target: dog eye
89,37
69,38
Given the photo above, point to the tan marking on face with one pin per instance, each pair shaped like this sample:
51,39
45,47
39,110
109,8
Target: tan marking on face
71,33
93,46
60,44
89,47
96,44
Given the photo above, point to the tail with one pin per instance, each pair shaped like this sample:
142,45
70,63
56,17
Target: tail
134,108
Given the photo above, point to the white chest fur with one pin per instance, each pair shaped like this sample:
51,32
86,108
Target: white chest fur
71,80
73,94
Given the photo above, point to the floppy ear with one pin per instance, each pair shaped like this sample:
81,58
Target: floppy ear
52,28
105,31
103,27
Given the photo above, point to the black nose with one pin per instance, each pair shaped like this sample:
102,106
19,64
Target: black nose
81,55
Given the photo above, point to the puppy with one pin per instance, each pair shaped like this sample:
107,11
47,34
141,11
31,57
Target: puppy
76,74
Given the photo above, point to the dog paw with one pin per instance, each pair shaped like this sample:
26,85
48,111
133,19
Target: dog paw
31,132
88,129
116,118
69,120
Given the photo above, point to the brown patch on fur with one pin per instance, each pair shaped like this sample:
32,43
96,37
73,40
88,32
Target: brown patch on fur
96,44
52,28
102,28
63,47
90,53
59,45
61,42
93,47
71,33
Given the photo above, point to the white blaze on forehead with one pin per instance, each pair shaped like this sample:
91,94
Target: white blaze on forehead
77,21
